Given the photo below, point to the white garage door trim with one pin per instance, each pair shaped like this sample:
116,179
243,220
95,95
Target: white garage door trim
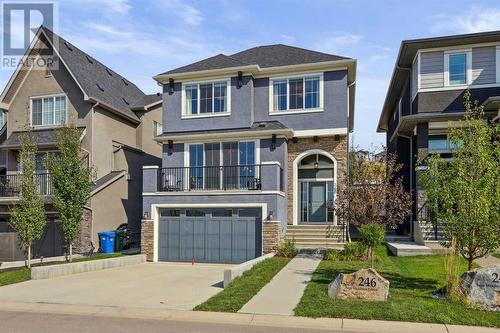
155,216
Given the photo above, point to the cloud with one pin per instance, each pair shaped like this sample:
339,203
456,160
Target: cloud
337,42
287,38
189,14
116,6
476,19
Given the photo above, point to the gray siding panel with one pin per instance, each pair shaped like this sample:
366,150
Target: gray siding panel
414,78
483,65
431,70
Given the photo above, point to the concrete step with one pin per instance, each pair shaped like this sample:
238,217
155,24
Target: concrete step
308,245
313,233
315,239
404,249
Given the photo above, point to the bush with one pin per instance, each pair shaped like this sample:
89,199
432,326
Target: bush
286,249
333,255
372,235
354,250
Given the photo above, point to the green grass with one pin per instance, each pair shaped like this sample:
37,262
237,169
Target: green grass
19,275
412,280
243,288
24,274
496,255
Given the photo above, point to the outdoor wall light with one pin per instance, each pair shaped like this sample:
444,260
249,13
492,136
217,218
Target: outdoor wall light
270,216
170,147
240,79
273,142
145,216
316,165
171,85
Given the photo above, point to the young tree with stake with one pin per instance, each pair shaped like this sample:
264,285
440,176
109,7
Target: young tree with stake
72,181
28,215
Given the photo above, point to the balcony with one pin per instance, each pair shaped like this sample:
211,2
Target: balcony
255,177
10,185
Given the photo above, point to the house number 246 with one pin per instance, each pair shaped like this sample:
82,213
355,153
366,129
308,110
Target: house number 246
367,282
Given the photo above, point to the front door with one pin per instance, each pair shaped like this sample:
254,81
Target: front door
317,202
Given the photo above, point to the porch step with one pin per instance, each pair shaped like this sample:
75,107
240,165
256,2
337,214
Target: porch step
319,236
404,249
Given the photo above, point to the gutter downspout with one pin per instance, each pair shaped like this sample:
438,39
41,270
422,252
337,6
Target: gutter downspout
347,227
91,161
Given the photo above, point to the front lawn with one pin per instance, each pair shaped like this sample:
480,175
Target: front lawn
16,275
496,255
410,295
243,288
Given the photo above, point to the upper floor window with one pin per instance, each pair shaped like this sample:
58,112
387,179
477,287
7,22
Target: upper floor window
297,93
457,66
440,143
205,99
2,118
157,128
49,110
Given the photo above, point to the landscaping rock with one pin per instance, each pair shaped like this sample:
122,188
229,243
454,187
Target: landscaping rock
364,284
482,286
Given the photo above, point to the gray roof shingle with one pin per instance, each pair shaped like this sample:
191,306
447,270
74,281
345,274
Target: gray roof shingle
96,79
257,126
264,56
43,138
105,179
147,100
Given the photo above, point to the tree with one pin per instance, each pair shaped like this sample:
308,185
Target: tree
28,215
374,194
72,182
372,236
464,192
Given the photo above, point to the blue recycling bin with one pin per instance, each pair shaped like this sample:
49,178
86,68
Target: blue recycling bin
107,240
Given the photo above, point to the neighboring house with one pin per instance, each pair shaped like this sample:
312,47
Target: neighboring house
425,96
253,150
118,124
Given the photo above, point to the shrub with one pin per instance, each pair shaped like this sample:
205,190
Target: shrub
286,249
372,235
354,250
333,255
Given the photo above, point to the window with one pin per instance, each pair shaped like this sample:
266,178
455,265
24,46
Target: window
46,111
2,118
206,98
157,128
457,67
299,93
440,143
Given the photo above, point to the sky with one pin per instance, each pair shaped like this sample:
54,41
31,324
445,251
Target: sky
142,38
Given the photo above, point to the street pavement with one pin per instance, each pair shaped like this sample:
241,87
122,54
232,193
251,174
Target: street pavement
23,322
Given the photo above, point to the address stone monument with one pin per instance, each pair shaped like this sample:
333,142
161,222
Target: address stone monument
364,284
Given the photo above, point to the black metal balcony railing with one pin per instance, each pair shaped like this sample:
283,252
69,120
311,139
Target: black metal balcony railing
10,185
208,178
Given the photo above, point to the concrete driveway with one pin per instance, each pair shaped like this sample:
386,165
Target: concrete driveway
178,286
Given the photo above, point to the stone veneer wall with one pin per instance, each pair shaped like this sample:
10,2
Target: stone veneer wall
271,236
147,239
82,243
338,148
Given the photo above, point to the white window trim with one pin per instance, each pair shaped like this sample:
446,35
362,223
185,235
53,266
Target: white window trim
184,111
46,96
273,112
468,73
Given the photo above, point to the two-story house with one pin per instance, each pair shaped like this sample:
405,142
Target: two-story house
425,98
118,123
254,147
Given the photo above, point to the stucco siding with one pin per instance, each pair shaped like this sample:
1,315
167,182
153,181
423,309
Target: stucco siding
431,70
145,131
109,128
335,105
240,111
483,65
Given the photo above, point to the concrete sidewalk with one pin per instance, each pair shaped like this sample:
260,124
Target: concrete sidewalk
282,294
487,261
248,320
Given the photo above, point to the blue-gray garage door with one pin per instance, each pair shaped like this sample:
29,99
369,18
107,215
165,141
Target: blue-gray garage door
210,235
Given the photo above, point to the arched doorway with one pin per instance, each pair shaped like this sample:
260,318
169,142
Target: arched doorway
314,177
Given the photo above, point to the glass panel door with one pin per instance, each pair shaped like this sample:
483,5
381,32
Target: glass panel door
230,162
196,167
317,202
212,166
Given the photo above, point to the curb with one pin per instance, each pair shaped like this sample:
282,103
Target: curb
340,324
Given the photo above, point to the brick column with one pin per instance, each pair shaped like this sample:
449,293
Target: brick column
271,232
147,239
